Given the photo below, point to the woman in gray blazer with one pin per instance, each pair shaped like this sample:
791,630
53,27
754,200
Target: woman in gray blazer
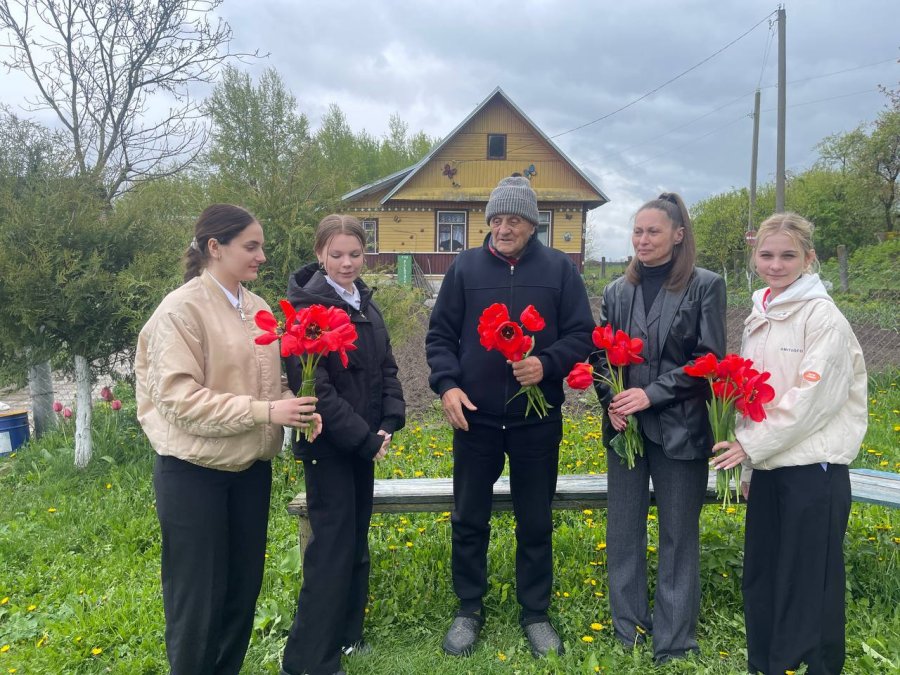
679,311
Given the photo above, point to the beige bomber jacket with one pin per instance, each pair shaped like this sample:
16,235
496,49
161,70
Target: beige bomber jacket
203,384
819,413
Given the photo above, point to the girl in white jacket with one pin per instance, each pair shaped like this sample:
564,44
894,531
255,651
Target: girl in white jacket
797,457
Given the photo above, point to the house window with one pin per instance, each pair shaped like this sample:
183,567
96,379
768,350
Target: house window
545,219
496,148
451,230
370,226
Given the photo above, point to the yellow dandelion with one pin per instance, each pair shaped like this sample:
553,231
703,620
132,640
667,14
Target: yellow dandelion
445,514
501,656
97,651
650,516
109,485
409,544
42,641
565,594
640,630
596,626
587,638
790,672
31,608
651,549
601,546
724,575
418,474
599,594
731,509
4,649
4,600
588,512
51,510
11,670
883,463
723,654
596,669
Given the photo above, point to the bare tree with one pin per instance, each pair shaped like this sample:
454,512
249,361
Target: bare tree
98,65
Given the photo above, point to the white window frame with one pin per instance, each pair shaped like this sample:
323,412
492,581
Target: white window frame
370,227
465,230
545,235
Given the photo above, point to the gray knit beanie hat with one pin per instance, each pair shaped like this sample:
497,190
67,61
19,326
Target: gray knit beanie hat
513,196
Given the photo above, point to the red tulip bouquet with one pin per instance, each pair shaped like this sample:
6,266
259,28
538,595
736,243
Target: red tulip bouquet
309,334
496,331
735,385
621,351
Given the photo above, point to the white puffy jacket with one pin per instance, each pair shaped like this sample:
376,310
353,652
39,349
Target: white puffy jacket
819,412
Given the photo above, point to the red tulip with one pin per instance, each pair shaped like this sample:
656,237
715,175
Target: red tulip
705,366
625,350
603,337
115,404
106,394
581,376
266,321
532,320
511,342
57,407
754,395
490,319
67,412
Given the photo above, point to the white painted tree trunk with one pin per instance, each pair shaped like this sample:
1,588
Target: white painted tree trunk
40,385
83,412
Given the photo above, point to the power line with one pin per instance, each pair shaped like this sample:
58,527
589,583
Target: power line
664,84
836,72
736,120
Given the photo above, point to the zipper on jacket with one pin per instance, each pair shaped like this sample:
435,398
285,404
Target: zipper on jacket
506,396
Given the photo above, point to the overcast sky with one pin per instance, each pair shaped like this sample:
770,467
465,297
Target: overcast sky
567,63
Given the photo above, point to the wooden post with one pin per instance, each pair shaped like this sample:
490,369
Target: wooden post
842,264
603,267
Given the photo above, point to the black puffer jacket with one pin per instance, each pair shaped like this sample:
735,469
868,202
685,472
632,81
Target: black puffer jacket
543,277
355,402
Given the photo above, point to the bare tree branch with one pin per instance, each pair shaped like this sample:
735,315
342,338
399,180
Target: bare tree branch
98,65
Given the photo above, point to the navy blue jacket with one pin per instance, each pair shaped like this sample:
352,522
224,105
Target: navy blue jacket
355,402
543,277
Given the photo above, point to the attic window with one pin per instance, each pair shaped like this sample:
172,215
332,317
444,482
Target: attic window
496,147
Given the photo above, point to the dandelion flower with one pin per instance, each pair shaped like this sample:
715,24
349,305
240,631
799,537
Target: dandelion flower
4,600
596,626
96,651
587,638
31,608
51,510
501,656
4,649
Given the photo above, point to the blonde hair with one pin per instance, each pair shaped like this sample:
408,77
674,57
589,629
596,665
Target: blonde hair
798,228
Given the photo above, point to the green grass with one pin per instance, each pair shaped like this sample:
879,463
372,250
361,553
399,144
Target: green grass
79,564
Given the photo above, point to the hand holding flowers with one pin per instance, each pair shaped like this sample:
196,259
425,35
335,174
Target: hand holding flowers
621,351
496,331
735,385
309,334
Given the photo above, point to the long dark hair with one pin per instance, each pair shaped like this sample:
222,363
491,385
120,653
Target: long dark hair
684,255
222,222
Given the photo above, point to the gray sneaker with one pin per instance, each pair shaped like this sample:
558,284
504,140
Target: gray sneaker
460,639
543,638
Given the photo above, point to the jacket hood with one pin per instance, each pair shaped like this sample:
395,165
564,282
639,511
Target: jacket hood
307,286
807,287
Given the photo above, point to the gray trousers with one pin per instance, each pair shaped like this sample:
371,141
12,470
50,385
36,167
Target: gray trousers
680,487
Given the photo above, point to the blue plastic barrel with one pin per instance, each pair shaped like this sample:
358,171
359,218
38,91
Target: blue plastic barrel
13,430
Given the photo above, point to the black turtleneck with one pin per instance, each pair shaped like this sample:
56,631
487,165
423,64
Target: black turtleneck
652,279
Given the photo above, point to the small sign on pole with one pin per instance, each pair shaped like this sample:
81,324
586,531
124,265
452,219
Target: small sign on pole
750,238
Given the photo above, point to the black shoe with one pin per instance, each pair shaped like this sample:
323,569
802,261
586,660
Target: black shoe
543,638
460,639
282,671
358,648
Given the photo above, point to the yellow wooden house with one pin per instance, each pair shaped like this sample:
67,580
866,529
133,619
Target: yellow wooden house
435,208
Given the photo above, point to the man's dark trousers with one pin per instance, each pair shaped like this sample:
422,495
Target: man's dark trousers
478,458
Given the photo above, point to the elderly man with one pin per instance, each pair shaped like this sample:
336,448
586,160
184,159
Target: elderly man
477,389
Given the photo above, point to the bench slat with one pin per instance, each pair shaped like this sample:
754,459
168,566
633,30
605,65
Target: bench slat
573,492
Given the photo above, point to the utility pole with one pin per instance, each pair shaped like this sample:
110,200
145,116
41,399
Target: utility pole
753,161
782,106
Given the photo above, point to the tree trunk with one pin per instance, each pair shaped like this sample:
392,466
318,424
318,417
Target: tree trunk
40,384
83,412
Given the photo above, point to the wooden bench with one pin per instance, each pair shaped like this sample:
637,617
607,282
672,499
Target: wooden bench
406,495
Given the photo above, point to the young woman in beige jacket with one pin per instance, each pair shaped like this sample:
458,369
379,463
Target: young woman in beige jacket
799,496
213,402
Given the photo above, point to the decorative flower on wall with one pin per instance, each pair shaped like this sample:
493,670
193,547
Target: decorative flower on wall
449,171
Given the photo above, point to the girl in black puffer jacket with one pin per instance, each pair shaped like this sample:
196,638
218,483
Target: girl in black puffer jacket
361,407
